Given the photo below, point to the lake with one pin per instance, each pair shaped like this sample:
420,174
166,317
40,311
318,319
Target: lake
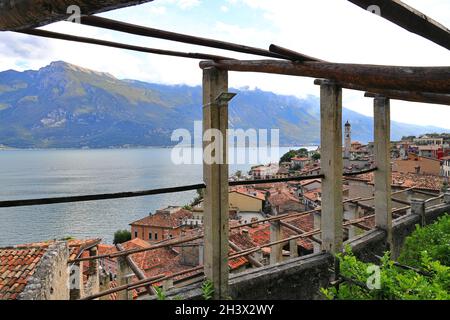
28,174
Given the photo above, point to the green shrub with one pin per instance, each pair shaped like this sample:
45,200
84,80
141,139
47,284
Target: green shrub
434,239
395,283
207,290
121,236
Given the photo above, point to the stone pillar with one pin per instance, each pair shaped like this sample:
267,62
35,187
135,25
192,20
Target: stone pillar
215,176
352,214
123,277
317,223
276,251
293,248
76,281
447,197
418,207
167,285
409,197
332,166
105,281
383,176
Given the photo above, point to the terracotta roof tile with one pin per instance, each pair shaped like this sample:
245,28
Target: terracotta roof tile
165,220
16,269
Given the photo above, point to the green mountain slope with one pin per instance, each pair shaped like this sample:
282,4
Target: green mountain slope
66,106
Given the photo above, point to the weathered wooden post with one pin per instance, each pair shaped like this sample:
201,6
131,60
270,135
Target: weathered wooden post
332,166
276,251
215,175
383,175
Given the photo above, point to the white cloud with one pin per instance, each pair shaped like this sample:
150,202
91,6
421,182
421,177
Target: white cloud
183,4
333,30
224,9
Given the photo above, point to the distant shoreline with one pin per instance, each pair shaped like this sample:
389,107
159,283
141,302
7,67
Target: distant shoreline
131,148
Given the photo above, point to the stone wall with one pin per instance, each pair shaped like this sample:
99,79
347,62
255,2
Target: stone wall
51,278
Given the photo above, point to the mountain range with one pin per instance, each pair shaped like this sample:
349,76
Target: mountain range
67,106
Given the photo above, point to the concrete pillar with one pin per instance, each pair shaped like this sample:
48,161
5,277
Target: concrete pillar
383,176
76,281
409,197
293,248
418,207
447,197
105,281
276,251
167,285
124,274
352,214
331,164
317,223
215,175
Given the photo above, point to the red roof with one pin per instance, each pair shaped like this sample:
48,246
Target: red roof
17,265
164,220
299,159
407,180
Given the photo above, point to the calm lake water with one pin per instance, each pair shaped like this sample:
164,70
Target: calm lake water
54,173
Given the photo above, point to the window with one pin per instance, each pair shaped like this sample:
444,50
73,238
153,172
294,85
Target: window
156,236
149,236
135,234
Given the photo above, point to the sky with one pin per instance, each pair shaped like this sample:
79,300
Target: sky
333,30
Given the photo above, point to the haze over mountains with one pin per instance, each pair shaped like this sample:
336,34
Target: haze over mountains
66,106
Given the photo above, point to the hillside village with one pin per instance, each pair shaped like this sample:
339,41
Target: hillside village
421,169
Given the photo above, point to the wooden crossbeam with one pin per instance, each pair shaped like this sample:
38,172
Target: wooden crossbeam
409,18
25,14
111,44
412,96
134,29
422,79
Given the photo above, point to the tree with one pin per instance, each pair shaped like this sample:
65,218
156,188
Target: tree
302,152
288,156
121,236
316,156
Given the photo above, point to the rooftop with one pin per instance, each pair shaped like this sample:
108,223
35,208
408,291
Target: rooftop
164,219
17,265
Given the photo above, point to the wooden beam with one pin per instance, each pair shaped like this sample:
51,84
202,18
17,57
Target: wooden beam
137,271
61,36
424,79
410,19
292,55
250,257
412,96
25,14
299,231
120,26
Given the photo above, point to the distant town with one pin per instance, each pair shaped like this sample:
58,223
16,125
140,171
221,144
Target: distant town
420,168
